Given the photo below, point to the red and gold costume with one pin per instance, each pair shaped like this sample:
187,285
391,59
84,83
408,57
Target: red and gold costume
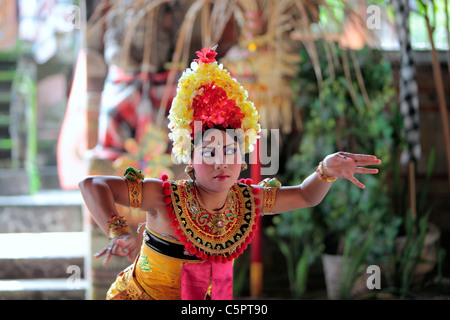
199,263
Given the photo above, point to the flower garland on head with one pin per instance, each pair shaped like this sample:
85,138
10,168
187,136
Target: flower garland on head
207,94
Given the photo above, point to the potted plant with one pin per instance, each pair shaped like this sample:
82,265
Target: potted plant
351,111
417,243
301,243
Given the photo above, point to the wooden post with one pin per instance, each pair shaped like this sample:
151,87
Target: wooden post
412,189
440,93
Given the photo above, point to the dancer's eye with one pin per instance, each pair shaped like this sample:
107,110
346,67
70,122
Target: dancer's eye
208,153
230,151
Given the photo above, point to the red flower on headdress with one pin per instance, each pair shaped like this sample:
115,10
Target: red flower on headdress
213,108
206,55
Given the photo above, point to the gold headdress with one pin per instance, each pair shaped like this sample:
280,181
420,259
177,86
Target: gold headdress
208,94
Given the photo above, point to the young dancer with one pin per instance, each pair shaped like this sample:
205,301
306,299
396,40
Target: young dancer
196,227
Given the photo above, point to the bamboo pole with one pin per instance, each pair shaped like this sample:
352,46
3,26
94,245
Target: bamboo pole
412,189
447,24
206,27
440,93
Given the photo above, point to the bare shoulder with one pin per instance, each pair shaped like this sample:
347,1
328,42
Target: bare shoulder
114,183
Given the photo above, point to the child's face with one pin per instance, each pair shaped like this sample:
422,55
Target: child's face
217,161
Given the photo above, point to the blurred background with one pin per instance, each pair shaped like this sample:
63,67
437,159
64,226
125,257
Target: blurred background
86,86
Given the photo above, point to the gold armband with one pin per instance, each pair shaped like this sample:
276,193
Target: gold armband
117,226
270,187
323,174
134,181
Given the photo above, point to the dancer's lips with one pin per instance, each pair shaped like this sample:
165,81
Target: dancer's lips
221,177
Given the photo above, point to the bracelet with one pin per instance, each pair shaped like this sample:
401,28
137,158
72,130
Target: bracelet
134,181
117,226
270,187
320,169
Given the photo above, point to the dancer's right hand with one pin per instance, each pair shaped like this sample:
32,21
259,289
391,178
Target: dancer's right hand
123,245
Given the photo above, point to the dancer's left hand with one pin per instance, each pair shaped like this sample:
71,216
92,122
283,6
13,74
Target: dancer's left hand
345,165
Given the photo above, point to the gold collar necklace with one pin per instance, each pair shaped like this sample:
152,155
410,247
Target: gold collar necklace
215,236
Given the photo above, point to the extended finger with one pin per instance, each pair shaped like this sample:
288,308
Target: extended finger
366,170
101,252
107,257
368,162
360,157
357,183
109,254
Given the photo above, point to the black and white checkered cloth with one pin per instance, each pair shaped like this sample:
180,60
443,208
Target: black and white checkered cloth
408,98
